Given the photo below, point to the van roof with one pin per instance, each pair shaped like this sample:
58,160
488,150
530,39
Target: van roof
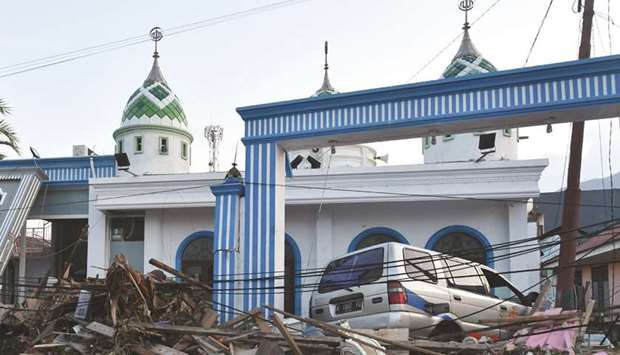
399,246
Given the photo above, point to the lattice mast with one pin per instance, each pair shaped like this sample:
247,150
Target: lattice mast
214,135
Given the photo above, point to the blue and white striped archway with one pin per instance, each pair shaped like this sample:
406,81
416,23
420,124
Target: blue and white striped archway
554,93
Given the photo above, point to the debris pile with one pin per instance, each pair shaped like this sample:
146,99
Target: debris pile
133,313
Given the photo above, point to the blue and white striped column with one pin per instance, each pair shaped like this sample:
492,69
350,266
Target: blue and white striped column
226,246
263,225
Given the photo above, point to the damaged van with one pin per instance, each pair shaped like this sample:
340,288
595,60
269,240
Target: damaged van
393,285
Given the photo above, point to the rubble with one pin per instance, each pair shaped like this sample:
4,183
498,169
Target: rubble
133,313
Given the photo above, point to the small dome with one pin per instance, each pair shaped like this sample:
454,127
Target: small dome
154,99
467,60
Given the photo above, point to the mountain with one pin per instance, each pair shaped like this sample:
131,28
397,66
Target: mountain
595,184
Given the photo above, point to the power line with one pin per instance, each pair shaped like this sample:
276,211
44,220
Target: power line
44,62
542,23
433,58
307,187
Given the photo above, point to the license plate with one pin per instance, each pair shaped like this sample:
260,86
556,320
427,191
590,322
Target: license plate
347,307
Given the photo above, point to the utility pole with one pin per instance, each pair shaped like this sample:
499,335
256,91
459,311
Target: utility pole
572,195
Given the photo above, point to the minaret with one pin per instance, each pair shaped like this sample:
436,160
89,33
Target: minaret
154,132
464,147
342,156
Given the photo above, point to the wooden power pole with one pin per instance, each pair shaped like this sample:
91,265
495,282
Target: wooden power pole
572,196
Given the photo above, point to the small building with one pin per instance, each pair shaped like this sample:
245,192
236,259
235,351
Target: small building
597,266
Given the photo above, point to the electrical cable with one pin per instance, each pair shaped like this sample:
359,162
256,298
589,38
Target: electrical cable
305,187
429,62
30,65
542,23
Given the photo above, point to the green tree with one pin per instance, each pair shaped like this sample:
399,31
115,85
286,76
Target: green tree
8,136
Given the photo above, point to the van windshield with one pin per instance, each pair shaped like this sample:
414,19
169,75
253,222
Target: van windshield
354,270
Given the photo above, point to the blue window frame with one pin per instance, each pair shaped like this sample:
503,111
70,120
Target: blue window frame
376,235
481,252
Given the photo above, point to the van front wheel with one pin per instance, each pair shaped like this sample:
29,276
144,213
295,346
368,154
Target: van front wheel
447,331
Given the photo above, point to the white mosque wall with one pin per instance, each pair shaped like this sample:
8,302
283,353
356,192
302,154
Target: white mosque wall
464,147
150,160
328,234
182,204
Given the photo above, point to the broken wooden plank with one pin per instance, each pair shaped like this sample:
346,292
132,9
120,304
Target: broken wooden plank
585,320
289,339
540,300
344,332
208,318
205,344
263,326
49,346
181,329
160,349
399,334
534,318
101,329
176,273
241,318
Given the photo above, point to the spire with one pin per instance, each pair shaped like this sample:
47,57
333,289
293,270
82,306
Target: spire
467,59
155,73
467,46
326,88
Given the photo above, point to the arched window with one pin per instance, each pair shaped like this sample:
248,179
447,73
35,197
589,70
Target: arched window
463,242
292,268
374,236
195,256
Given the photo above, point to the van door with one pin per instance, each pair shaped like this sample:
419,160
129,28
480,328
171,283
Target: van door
350,286
468,296
501,289
422,279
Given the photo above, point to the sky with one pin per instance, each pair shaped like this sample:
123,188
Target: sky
272,56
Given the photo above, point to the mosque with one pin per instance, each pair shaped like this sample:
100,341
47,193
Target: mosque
471,193
328,209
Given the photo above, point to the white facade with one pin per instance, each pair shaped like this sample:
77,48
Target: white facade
464,147
345,156
416,201
144,148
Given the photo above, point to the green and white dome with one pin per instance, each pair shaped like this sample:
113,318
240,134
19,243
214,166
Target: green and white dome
154,132
468,60
154,99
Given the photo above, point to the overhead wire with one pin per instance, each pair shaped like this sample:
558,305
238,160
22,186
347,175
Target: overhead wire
442,50
304,187
540,27
69,56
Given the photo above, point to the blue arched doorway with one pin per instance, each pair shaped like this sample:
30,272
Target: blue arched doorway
464,242
194,256
376,235
292,276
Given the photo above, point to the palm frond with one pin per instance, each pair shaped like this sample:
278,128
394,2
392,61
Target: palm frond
4,108
11,140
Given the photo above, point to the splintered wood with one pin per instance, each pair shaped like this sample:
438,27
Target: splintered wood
134,313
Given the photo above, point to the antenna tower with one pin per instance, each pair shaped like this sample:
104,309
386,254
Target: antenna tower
214,135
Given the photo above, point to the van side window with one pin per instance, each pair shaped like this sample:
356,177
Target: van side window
353,270
465,275
500,288
419,266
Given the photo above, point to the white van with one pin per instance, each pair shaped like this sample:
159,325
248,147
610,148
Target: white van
393,285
